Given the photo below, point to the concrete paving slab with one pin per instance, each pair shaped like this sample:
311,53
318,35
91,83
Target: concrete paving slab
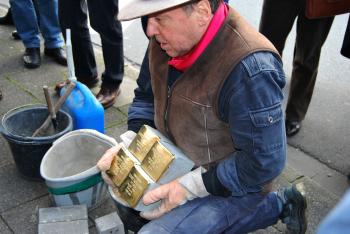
106,207
5,152
124,109
4,228
15,190
333,181
110,224
62,214
76,227
13,95
113,116
24,218
303,163
116,131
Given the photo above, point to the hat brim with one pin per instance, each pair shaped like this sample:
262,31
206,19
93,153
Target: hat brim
137,8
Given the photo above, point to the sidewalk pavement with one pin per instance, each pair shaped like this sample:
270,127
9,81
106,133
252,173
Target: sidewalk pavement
20,199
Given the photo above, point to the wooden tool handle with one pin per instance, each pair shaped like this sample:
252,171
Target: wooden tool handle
58,105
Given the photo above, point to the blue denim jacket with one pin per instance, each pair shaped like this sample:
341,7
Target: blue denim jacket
251,103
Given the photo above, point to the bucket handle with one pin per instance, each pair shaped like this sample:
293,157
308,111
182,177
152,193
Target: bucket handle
85,184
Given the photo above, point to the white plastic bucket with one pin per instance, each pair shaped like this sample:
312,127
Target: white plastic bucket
70,171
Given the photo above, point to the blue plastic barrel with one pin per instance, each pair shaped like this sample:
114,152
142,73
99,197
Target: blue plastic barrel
85,110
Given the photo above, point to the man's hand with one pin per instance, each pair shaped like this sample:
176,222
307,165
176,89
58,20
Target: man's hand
105,163
172,195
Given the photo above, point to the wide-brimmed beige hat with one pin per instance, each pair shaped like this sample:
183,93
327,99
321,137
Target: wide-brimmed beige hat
137,8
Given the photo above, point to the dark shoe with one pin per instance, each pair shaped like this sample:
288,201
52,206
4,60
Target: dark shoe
90,83
31,58
57,54
294,209
15,35
108,95
7,19
292,127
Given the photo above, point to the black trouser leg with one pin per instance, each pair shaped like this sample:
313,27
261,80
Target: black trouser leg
73,15
276,22
103,21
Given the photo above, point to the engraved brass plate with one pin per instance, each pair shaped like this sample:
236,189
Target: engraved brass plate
157,161
120,167
133,187
142,143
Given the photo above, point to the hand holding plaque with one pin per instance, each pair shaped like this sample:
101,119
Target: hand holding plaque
150,161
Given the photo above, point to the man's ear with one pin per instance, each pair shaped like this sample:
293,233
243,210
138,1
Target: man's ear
203,10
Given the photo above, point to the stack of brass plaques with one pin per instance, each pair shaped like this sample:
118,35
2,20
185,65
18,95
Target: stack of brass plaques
143,163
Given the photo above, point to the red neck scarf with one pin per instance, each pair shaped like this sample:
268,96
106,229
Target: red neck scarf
181,63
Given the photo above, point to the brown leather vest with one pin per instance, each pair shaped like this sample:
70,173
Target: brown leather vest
188,113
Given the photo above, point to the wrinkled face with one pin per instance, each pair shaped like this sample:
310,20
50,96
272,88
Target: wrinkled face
177,30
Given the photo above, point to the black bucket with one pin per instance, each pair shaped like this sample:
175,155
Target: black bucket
17,127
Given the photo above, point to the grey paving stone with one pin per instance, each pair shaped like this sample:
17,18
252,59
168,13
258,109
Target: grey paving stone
332,181
76,227
113,117
18,190
305,164
24,218
4,229
124,109
5,152
105,208
50,74
116,131
110,223
62,214
13,96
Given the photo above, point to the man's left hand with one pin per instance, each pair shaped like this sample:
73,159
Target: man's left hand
172,195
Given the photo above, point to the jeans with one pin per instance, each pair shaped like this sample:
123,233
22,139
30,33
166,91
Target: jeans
214,214
276,22
73,15
26,20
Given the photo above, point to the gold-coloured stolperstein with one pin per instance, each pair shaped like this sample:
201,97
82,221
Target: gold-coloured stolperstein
133,187
120,167
157,161
143,142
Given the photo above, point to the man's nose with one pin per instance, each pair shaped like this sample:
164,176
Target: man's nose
151,28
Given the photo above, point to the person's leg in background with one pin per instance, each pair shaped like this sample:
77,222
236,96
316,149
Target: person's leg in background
73,15
102,20
50,30
277,21
310,37
25,19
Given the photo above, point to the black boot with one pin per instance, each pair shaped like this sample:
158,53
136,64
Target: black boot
7,19
31,58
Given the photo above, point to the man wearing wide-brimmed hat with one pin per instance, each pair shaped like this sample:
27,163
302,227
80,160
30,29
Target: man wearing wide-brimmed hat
213,84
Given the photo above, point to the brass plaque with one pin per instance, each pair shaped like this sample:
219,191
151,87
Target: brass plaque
142,143
157,161
133,187
120,167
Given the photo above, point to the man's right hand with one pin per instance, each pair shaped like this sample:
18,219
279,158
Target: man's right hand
105,163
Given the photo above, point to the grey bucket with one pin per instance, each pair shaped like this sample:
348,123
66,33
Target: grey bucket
70,171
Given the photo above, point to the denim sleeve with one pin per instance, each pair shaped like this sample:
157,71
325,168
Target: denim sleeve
141,111
251,102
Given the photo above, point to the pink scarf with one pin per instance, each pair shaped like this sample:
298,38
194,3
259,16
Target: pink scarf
181,63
